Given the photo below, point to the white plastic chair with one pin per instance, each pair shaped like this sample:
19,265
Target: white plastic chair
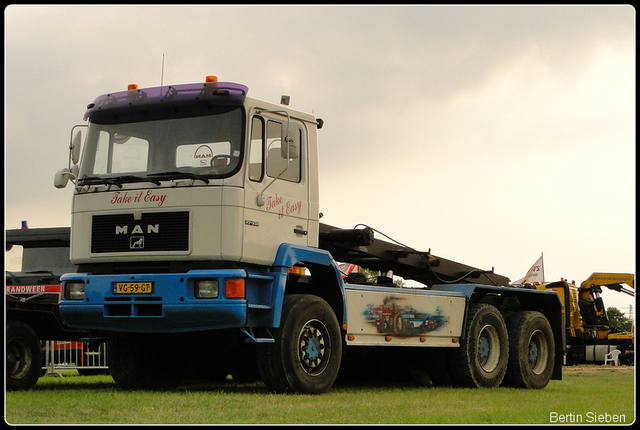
612,357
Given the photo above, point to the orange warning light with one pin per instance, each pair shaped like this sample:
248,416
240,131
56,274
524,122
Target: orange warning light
234,288
211,78
132,87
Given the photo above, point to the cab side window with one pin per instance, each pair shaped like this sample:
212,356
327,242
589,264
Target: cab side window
277,166
256,150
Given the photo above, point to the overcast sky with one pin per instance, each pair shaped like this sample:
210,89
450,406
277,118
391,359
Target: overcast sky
488,134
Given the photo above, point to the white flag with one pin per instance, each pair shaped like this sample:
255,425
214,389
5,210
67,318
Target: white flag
535,274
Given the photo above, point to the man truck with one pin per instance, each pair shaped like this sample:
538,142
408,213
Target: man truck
193,203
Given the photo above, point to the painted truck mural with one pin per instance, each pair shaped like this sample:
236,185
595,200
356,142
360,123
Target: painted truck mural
392,318
384,316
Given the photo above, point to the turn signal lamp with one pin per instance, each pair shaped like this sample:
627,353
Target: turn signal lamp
234,289
297,270
132,87
211,78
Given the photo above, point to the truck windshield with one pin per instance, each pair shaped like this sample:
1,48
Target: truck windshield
198,147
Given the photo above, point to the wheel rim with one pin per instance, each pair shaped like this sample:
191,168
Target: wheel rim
313,347
488,348
538,352
18,358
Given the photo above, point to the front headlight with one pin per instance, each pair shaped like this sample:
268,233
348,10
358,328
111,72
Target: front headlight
206,288
74,290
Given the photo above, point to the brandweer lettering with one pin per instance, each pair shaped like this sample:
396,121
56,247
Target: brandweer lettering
12,289
141,196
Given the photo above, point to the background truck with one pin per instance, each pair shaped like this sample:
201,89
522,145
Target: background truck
193,203
589,334
32,297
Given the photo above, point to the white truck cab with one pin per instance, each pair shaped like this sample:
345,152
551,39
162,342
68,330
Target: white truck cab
193,172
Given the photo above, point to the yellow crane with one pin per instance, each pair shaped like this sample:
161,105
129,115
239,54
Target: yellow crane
589,335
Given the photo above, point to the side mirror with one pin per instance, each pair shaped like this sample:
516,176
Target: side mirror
290,140
62,176
74,149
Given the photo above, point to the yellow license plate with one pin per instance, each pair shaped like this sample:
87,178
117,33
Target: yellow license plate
133,288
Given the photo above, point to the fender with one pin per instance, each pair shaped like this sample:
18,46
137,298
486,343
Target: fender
288,255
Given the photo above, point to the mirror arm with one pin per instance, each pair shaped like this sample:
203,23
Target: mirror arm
260,201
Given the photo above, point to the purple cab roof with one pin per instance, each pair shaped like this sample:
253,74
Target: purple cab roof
135,105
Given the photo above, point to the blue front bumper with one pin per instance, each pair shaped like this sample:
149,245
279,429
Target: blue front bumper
171,306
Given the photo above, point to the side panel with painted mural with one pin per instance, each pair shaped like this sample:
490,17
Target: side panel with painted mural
388,316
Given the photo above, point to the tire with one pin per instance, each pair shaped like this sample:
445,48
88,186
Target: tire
24,356
306,355
481,360
532,351
141,363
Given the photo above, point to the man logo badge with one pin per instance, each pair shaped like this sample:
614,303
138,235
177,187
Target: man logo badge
136,242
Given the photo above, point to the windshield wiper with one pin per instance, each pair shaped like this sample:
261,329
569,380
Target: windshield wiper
117,181
96,180
132,178
180,175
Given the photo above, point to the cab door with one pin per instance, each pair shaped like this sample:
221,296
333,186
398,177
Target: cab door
276,189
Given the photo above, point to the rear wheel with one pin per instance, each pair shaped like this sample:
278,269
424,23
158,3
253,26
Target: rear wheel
532,352
24,357
481,360
305,357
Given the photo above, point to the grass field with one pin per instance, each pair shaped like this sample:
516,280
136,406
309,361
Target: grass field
585,395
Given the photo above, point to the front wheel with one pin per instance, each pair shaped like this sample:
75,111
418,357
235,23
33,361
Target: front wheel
305,357
481,360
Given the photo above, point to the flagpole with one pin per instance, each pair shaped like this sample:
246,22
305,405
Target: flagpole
542,258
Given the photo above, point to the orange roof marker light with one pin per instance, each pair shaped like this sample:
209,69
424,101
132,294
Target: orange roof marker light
131,87
211,78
